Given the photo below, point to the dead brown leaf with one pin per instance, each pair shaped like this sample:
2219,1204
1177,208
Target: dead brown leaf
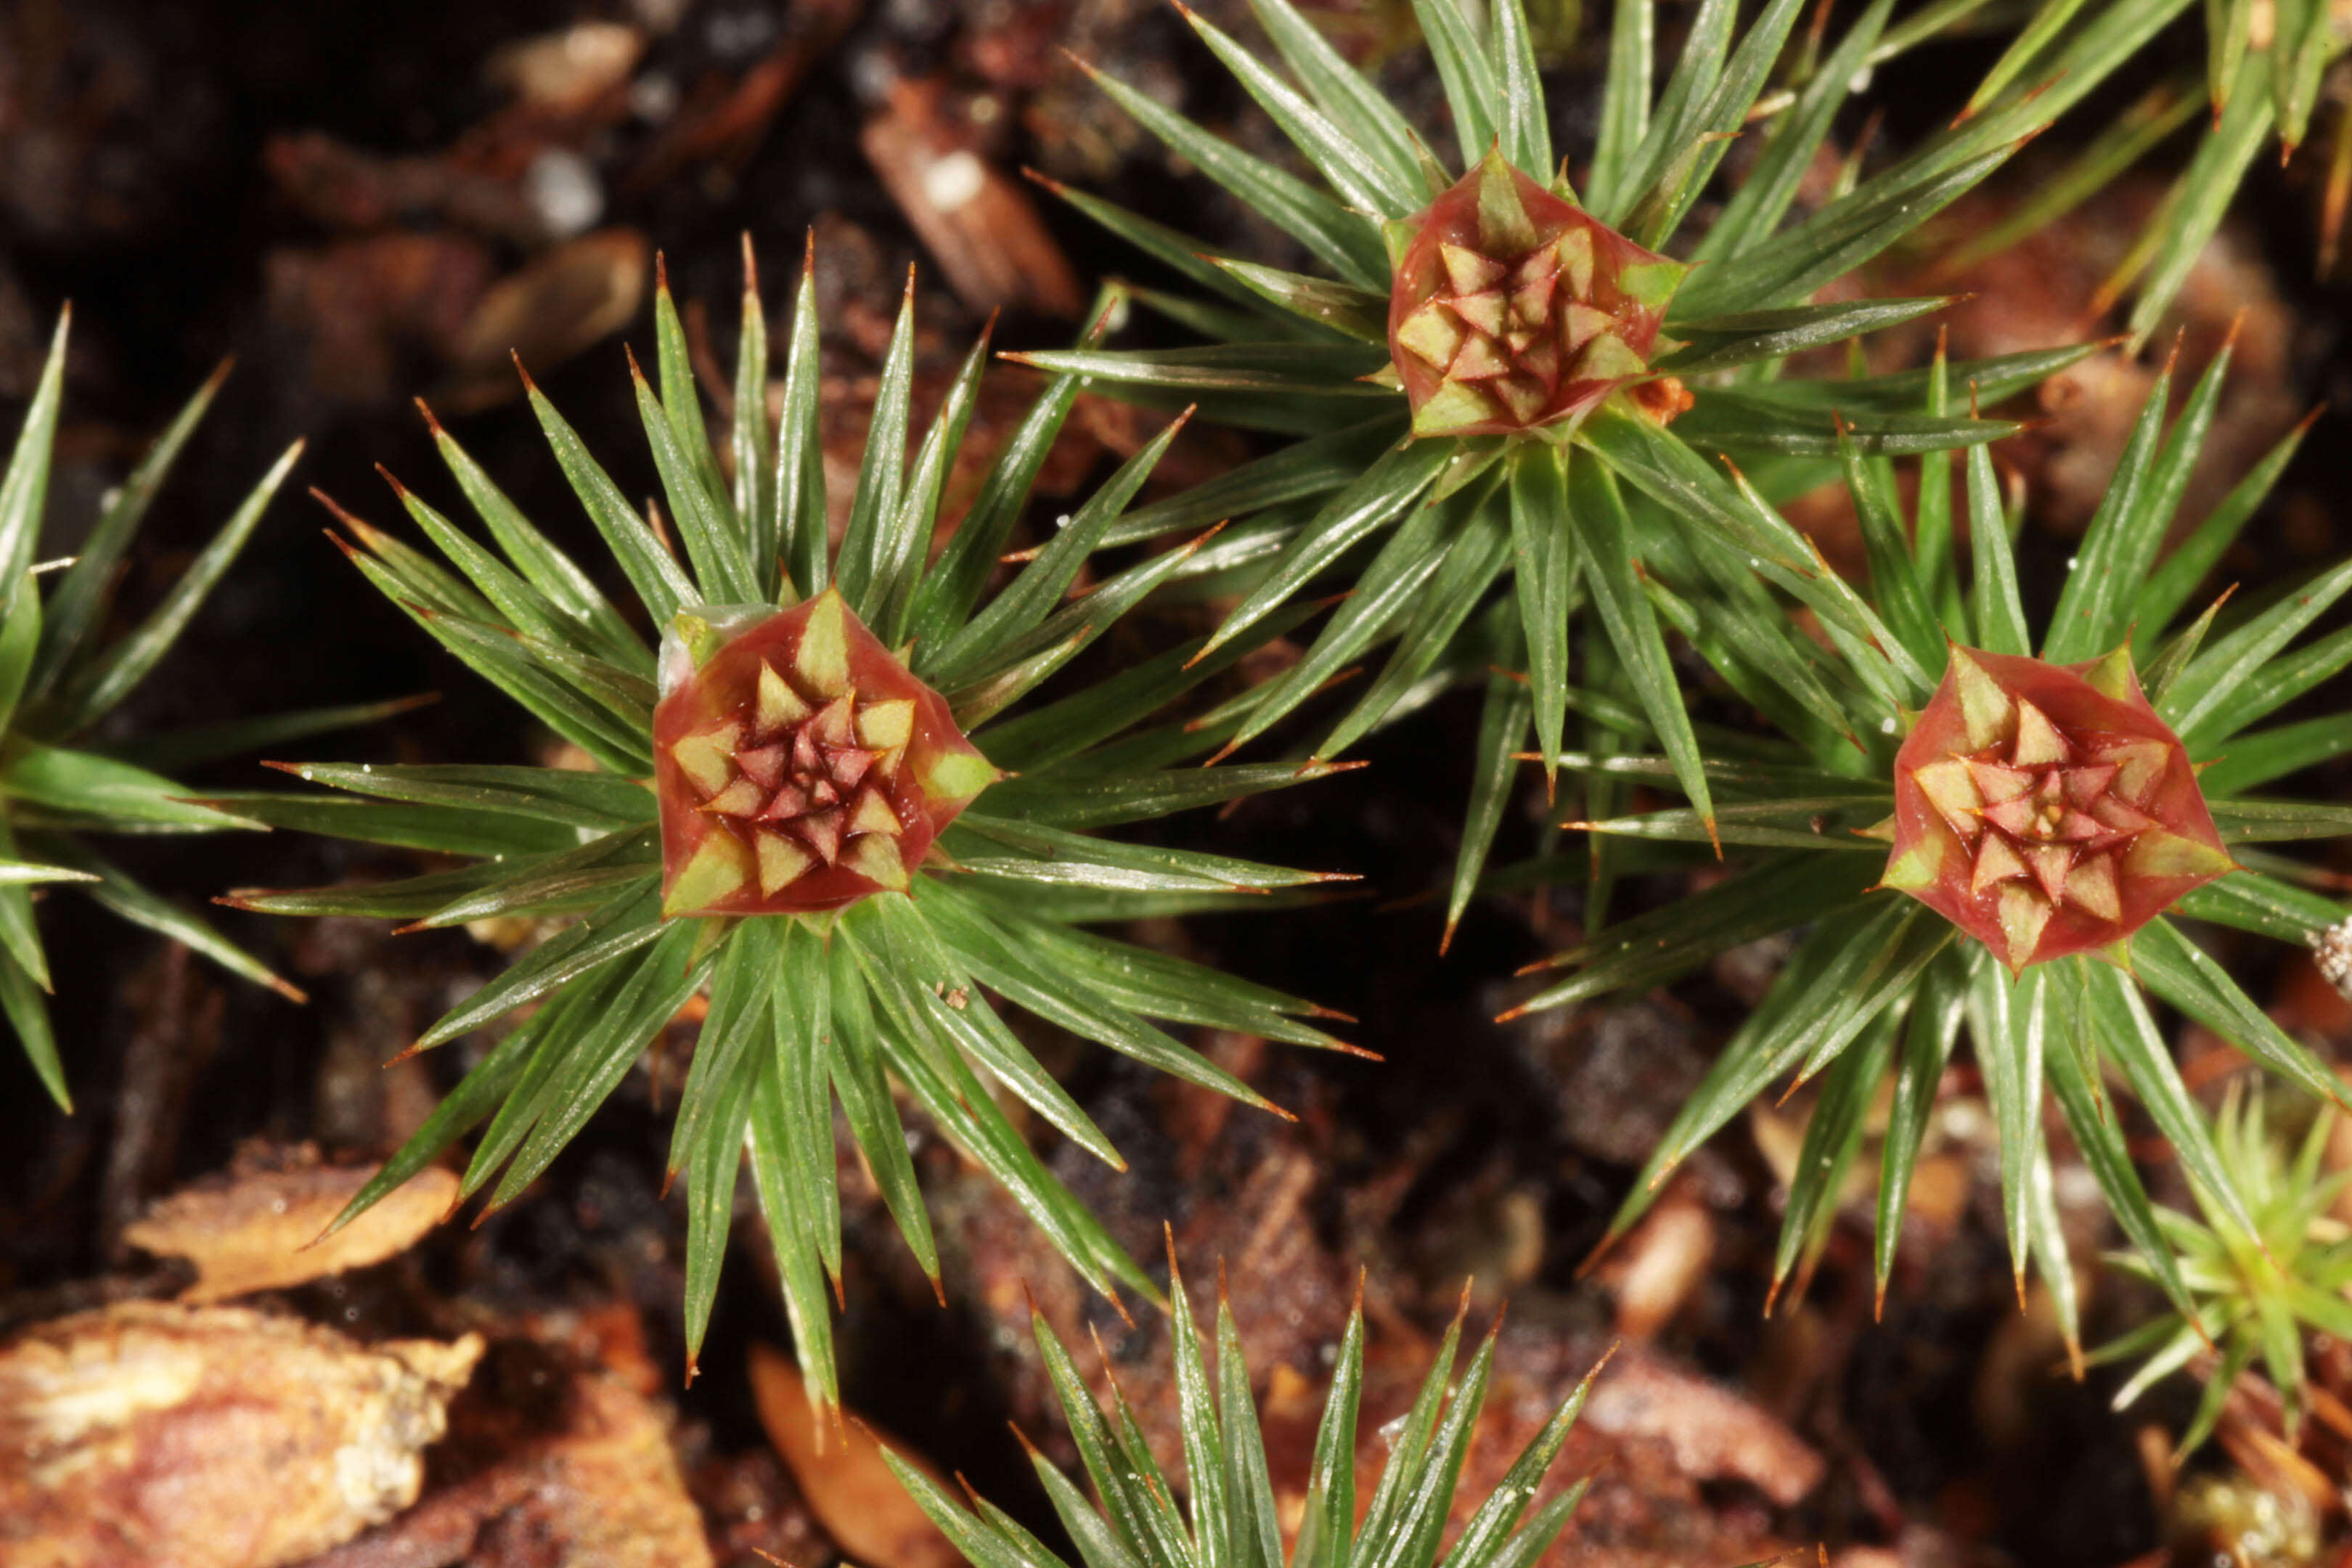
976,220
561,302
252,1227
1714,1434
558,1468
840,1473
209,1437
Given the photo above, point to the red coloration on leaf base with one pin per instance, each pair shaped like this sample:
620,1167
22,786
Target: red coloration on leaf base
1513,309
2046,809
798,765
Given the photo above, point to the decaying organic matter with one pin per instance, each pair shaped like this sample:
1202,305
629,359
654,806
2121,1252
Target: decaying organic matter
211,1436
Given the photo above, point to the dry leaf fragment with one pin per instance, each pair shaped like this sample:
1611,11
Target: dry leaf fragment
977,222
841,1472
252,1228
563,301
566,71
1714,1433
209,1437
597,1485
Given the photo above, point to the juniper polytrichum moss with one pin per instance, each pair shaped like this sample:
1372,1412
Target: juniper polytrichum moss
2253,1291
2260,85
1512,402
65,772
1976,829
829,796
1230,1519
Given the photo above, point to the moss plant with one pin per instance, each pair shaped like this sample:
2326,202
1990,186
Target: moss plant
1230,1521
1959,761
812,802
2046,809
1564,451
2253,1288
61,779
2262,85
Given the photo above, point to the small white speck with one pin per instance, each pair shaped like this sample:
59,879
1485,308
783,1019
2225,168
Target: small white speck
954,179
1062,520
2071,561
653,98
1887,726
2334,947
563,189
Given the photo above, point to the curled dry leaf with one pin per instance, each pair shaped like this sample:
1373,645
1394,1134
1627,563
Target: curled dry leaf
978,223
841,1472
252,1229
565,300
565,71
209,1437
1660,1265
1715,1433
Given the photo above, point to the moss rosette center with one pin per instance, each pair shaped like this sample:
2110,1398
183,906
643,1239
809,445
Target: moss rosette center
2046,809
799,766
1512,309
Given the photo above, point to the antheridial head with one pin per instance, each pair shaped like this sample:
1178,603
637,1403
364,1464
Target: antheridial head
1512,309
799,766
2046,809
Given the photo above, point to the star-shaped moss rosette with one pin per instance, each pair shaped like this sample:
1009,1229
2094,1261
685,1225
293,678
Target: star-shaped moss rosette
1233,1521
2256,1292
853,948
57,783
1473,507
1916,764
1513,309
2047,810
799,767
